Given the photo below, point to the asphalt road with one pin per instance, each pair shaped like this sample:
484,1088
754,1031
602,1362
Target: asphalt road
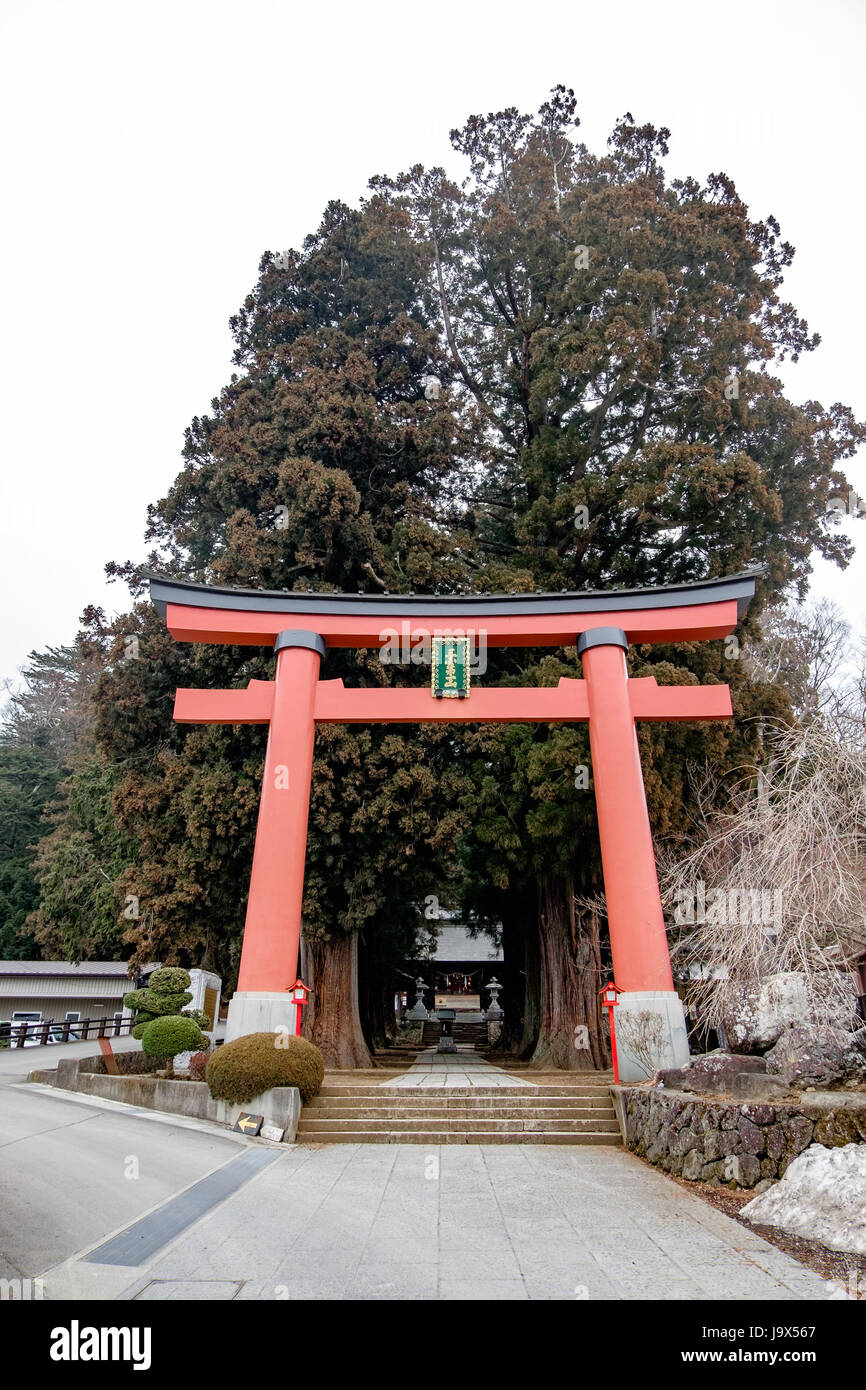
70,1173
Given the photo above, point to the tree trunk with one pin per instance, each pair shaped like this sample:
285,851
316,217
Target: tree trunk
332,1020
532,985
366,1001
513,987
571,1035
389,1012
375,999
374,1018
519,976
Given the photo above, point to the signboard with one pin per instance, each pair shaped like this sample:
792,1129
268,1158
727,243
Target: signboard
248,1124
450,668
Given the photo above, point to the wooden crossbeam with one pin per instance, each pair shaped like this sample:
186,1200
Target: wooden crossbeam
565,703
250,706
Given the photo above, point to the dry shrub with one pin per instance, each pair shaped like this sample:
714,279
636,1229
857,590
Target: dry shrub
198,1064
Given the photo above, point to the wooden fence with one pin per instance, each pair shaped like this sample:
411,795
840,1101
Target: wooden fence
17,1034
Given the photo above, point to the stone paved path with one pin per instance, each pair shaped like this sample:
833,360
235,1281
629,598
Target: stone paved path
462,1222
465,1067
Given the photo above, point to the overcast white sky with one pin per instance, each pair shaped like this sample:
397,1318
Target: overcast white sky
152,153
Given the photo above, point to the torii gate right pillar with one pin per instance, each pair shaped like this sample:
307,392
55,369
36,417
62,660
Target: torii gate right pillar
638,941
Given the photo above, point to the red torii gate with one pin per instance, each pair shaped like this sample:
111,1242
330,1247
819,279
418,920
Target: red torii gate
301,626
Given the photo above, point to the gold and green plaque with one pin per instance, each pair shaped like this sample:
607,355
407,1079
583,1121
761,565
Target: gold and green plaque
450,662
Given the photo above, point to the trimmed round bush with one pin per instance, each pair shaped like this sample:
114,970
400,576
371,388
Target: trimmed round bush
169,979
166,1037
159,1008
198,1016
246,1067
143,1020
160,1004
137,999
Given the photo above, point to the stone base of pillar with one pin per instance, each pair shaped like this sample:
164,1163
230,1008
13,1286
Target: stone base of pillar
650,1033
254,1012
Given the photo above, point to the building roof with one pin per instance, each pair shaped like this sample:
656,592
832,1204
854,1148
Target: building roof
455,943
65,967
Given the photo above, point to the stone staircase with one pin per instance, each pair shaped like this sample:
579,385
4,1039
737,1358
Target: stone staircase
473,1033
568,1111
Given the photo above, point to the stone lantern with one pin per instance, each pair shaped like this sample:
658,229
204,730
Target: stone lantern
493,1009
494,1014
419,1009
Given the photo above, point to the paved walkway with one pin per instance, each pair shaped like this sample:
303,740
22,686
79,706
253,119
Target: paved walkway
463,1222
105,1201
465,1067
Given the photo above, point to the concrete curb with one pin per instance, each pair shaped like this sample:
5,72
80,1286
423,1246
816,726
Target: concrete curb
280,1106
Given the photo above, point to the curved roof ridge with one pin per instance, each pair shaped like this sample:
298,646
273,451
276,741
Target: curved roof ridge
170,589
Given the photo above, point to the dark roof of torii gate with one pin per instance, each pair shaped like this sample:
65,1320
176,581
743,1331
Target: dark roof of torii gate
165,589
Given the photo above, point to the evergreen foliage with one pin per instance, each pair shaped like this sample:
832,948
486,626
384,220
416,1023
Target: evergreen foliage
605,339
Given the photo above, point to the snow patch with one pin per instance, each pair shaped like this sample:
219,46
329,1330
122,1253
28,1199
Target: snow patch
822,1196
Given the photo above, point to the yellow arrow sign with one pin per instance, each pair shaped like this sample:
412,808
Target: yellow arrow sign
245,1122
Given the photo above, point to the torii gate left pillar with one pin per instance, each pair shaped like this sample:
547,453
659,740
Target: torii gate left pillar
272,932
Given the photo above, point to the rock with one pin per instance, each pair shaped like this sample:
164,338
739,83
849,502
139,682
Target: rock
764,1185
774,1142
822,1196
758,1016
693,1165
759,1114
710,1072
816,1056
685,1141
835,1130
749,1170
751,1136
747,1084
710,1119
798,1134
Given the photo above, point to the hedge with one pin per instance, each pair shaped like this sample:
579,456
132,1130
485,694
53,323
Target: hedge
166,1037
250,1065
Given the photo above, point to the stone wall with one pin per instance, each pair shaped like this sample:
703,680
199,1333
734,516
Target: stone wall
727,1141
